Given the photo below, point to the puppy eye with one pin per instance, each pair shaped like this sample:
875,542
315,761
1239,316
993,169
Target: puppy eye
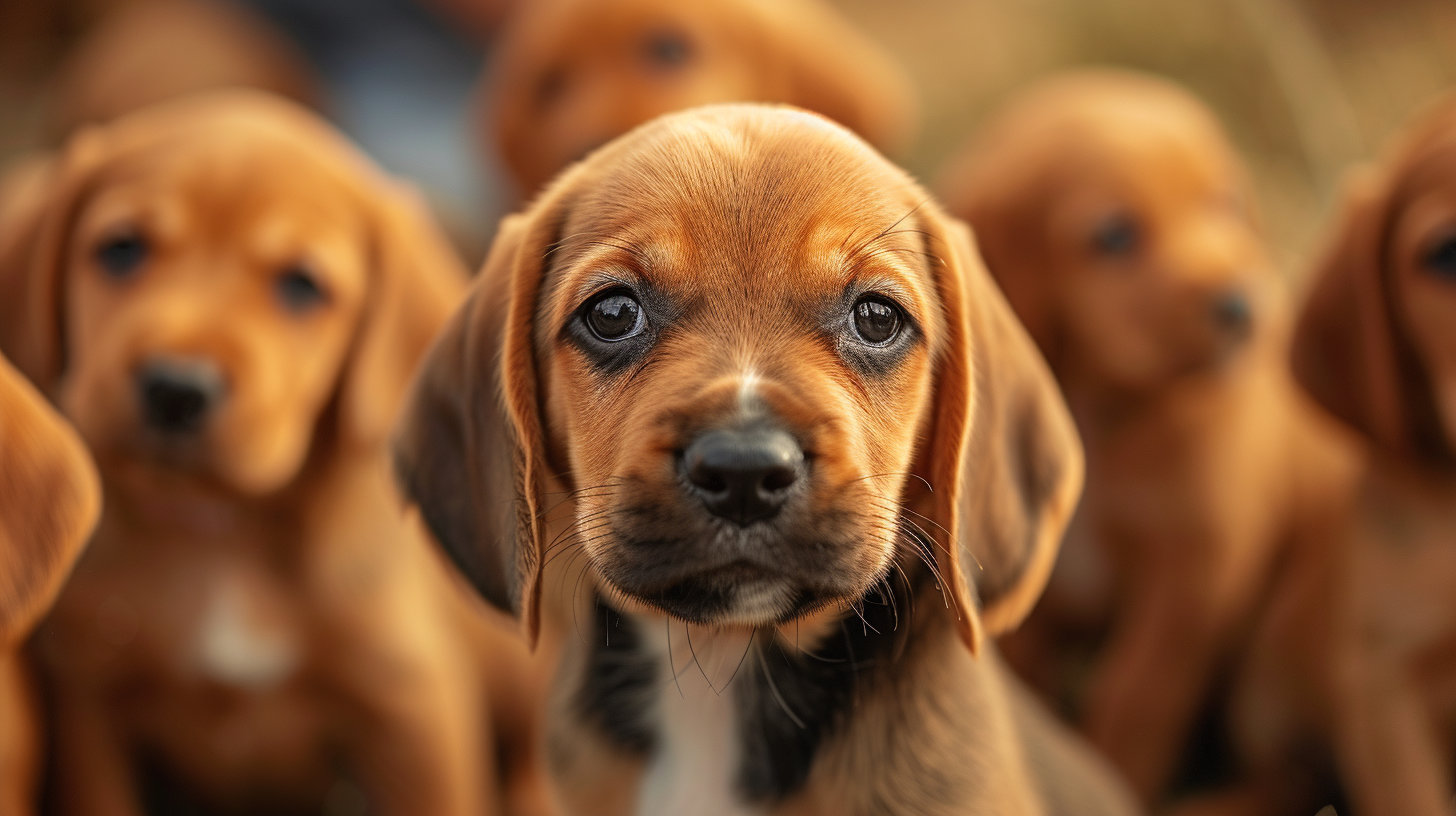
1117,235
876,320
667,49
1441,259
121,254
299,289
550,87
615,316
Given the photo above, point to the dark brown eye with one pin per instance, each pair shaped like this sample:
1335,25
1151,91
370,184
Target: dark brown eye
121,254
876,320
615,316
551,86
667,49
299,289
1441,258
1117,235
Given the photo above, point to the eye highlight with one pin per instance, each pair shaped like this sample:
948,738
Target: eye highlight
121,254
298,289
614,316
876,320
1117,235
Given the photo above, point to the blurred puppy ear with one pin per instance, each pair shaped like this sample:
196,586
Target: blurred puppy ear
39,199
469,450
829,67
1344,351
49,499
1001,454
416,282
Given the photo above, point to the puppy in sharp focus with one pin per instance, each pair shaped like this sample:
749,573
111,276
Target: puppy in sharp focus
228,301
735,414
1116,216
573,74
49,500
1376,346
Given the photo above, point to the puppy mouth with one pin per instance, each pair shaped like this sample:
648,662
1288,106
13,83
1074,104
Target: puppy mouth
738,593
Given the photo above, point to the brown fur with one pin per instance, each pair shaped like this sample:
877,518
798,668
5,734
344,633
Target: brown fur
49,500
510,410
258,616
1362,657
573,74
1116,216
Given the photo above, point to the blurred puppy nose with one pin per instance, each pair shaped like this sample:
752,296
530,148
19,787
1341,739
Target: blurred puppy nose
744,475
177,394
1233,313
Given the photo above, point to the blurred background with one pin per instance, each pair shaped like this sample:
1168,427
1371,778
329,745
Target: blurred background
1307,87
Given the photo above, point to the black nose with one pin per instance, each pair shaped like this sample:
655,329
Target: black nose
1232,312
745,475
177,394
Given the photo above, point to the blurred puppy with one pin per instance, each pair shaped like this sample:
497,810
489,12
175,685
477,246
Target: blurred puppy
49,499
227,300
1376,346
1118,220
744,345
573,74
148,51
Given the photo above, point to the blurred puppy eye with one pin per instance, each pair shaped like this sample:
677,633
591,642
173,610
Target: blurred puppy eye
1117,235
667,49
1441,258
550,87
615,316
121,254
299,289
876,320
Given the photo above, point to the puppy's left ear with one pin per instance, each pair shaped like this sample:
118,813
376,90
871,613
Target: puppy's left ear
1001,453
49,499
835,70
416,282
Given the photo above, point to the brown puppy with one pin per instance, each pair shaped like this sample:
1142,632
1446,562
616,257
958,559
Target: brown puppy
572,74
1117,218
227,300
148,51
1376,345
49,499
808,460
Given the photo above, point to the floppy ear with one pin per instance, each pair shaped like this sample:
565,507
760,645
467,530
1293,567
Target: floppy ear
469,450
417,280
833,69
39,197
49,498
1344,350
1002,456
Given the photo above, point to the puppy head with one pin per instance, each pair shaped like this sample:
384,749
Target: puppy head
768,368
1375,343
48,503
200,285
573,74
1116,216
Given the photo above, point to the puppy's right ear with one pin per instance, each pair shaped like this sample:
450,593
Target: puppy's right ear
1344,350
49,499
469,449
39,198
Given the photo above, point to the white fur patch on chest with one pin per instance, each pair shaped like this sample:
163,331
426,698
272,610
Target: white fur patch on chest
238,646
695,764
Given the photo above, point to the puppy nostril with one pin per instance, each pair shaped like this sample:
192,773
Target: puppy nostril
743,475
177,395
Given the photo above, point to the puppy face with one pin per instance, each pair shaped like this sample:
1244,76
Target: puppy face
1374,342
1118,219
213,269
573,74
746,344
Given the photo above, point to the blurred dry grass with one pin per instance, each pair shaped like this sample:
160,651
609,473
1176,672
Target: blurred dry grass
1306,87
